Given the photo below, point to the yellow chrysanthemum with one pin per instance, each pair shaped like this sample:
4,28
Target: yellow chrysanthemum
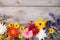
40,23
20,36
1,36
16,25
9,25
51,30
22,28
9,38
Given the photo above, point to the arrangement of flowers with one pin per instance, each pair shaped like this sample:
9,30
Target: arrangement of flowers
41,29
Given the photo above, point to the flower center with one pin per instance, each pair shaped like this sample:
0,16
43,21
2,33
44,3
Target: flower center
39,23
27,33
21,28
16,25
33,29
13,32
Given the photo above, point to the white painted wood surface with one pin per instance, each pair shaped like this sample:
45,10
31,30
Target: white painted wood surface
26,14
29,2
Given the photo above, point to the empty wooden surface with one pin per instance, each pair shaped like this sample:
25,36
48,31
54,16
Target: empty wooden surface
29,3
26,14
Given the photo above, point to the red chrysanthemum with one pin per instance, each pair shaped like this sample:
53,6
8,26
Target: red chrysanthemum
34,29
13,32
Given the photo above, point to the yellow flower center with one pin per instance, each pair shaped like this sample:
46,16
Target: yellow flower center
20,36
22,28
51,30
16,25
40,23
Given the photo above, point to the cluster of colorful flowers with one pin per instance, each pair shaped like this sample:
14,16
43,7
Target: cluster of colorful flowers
42,29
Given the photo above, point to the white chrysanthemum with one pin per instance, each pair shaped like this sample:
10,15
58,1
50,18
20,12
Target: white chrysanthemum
2,28
41,34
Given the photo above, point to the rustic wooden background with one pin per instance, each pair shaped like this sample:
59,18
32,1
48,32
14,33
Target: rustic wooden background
26,10
25,14
29,3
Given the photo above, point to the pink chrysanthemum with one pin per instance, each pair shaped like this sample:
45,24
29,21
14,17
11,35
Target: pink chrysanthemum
27,34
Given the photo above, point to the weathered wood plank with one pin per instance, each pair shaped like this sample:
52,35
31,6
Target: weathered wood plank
25,14
29,2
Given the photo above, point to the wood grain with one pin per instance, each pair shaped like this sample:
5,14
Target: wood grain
26,14
30,3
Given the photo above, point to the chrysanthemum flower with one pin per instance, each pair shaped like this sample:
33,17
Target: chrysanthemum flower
16,25
8,25
27,34
20,36
22,28
40,23
2,29
41,34
34,29
13,32
51,30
